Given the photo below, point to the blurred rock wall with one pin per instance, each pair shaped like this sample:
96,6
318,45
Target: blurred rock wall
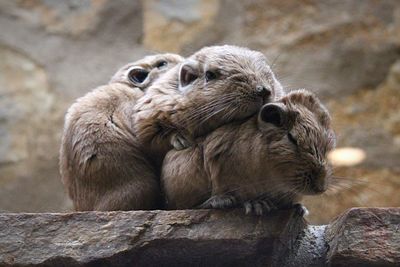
53,51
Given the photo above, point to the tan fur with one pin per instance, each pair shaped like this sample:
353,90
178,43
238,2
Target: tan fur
169,108
101,163
252,162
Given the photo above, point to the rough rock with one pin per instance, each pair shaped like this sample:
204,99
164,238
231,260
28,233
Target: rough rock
365,237
79,43
25,97
28,135
360,237
153,238
170,25
309,249
333,48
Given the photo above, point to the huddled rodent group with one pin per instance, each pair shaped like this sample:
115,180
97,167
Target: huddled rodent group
232,136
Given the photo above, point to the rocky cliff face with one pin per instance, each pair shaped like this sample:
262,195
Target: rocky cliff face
54,51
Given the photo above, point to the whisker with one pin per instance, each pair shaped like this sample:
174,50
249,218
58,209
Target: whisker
210,107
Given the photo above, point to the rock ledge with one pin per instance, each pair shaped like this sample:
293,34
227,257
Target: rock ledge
361,237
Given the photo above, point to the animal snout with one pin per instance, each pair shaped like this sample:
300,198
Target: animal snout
263,90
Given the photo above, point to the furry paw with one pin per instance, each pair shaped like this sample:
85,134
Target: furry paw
259,207
179,142
220,202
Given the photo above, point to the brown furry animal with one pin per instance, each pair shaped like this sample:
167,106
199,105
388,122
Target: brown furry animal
101,163
268,161
215,86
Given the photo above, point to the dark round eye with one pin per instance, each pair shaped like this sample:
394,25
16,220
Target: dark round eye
292,139
161,64
138,75
210,75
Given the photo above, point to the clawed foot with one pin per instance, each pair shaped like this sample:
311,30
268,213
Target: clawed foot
220,202
179,142
300,209
259,207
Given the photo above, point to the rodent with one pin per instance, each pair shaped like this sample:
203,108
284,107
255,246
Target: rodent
101,163
214,86
266,162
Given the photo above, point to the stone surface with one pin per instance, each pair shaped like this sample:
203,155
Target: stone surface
310,249
365,237
154,238
82,43
25,97
29,132
359,237
333,48
170,25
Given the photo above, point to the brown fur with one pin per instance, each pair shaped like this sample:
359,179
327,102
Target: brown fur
254,163
101,163
174,107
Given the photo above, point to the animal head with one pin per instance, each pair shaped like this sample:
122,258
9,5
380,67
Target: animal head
299,136
144,72
223,83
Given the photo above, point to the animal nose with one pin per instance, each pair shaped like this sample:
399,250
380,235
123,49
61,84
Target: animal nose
262,91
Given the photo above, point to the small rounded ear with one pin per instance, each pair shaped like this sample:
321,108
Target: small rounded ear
138,75
274,114
187,74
